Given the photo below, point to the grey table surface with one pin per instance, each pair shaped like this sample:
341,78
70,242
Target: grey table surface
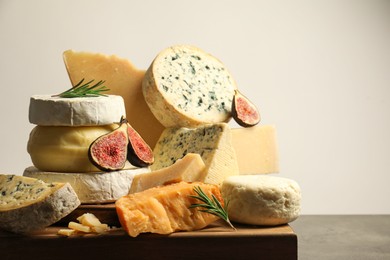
343,236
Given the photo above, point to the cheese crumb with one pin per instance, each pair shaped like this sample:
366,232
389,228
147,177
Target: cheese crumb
88,224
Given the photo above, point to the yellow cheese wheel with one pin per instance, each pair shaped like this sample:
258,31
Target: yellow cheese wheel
63,148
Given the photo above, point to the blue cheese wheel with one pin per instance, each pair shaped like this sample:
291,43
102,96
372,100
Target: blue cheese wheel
186,87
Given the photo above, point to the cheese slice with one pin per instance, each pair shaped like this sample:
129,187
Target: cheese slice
165,209
186,87
262,199
97,187
122,78
256,149
84,111
190,168
64,148
213,143
28,204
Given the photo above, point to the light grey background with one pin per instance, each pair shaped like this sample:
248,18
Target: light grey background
318,70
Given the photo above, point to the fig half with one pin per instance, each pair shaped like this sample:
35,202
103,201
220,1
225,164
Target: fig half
139,152
109,152
244,112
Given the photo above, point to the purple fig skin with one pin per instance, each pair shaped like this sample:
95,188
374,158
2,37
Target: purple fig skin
244,112
109,152
139,153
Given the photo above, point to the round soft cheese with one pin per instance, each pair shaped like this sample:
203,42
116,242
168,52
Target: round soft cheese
84,111
100,187
261,199
184,86
65,148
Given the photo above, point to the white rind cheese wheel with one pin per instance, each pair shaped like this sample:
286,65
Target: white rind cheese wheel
84,111
101,187
28,204
185,87
64,148
261,199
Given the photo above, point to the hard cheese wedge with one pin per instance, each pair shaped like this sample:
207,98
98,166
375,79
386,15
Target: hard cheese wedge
28,204
93,187
190,168
256,149
122,78
213,143
165,209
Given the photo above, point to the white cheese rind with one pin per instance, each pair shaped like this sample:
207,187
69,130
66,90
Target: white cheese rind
186,87
213,143
84,111
261,199
23,211
100,187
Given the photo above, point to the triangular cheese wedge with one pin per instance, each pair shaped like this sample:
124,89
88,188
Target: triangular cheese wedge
190,168
29,204
213,143
122,78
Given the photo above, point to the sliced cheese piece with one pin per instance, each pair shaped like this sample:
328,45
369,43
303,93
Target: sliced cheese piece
84,111
99,187
262,199
213,143
164,209
122,78
28,204
256,149
65,149
190,168
184,86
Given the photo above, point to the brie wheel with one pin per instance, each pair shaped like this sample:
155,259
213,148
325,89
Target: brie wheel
99,187
84,111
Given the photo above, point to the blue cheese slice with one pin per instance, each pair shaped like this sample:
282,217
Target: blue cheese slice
29,204
213,143
186,87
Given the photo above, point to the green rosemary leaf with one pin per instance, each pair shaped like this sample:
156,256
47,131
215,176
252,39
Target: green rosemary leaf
211,206
85,90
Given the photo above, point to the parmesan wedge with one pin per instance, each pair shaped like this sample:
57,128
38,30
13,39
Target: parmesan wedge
165,209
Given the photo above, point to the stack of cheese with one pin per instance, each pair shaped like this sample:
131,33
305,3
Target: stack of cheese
184,100
59,145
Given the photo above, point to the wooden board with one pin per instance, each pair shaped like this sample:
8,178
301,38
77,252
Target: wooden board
217,241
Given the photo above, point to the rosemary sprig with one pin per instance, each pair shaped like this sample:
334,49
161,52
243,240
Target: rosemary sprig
84,90
211,206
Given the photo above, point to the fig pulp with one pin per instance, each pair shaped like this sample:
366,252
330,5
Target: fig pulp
109,152
244,111
139,153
